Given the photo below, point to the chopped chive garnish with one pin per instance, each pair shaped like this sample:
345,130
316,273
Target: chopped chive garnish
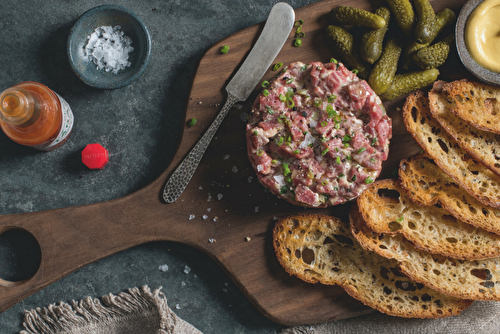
368,180
299,29
290,103
256,132
331,98
277,66
337,126
289,81
298,42
331,112
353,178
341,175
260,153
317,102
299,23
355,71
280,141
192,122
346,138
265,92
297,151
282,98
400,219
286,169
333,60
338,160
274,162
269,110
335,188
265,84
325,151
283,189
224,49
324,123
303,68
300,34
361,150
324,182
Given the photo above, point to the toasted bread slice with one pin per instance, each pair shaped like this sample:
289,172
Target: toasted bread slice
474,177
429,228
478,104
482,145
426,184
476,280
318,248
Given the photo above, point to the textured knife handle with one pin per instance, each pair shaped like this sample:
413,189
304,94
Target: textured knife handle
180,178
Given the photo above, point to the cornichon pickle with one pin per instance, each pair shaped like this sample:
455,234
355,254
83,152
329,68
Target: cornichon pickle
403,14
343,45
408,82
355,16
425,30
443,19
371,44
435,55
384,70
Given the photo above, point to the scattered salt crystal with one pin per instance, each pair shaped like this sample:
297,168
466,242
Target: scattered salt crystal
191,217
108,48
280,179
183,283
200,188
235,169
226,284
225,290
195,276
163,267
204,217
187,270
215,219
211,240
209,198
177,306
209,209
238,106
219,196
259,168
250,178
226,157
244,116
275,218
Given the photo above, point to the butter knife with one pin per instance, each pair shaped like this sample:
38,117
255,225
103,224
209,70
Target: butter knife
276,31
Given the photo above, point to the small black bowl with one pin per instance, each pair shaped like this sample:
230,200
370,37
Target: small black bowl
131,25
477,70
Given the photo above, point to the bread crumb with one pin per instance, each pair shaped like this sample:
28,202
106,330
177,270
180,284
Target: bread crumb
247,239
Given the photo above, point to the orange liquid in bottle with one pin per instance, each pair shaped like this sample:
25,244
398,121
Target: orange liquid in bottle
31,114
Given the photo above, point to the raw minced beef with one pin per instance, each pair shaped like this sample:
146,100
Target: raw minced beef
317,136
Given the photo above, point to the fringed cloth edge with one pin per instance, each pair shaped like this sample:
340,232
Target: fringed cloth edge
88,312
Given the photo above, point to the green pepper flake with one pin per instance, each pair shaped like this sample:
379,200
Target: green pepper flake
298,42
325,151
265,84
355,71
289,138
269,110
283,189
277,66
286,169
400,219
338,160
333,60
368,180
298,23
265,92
224,49
361,150
297,151
289,81
346,139
280,141
192,122
282,98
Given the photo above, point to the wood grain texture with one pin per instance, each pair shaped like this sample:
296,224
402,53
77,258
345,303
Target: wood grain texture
73,237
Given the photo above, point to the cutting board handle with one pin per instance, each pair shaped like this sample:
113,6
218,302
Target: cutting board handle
73,237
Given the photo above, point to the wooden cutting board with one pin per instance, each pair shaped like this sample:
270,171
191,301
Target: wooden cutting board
224,188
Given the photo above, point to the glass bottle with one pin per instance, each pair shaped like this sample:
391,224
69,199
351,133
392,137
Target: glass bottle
32,114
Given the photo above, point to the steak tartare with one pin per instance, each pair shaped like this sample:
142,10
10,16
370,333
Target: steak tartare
317,135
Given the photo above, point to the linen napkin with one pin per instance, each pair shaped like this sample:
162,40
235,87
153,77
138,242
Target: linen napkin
138,311
481,317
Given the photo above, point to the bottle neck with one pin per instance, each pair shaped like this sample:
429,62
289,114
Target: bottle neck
18,107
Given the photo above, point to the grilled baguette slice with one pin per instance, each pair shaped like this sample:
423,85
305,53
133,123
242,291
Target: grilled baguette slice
476,103
474,177
318,248
476,280
429,228
482,145
426,184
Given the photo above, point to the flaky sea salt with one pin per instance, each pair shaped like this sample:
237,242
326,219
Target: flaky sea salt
235,169
187,270
108,48
191,217
163,267
219,196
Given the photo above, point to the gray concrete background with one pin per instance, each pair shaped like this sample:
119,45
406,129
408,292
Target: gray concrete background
140,125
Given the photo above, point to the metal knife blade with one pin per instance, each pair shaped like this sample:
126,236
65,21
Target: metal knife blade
272,38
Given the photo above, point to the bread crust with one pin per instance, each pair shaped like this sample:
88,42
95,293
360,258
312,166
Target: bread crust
484,146
428,228
426,184
476,280
473,176
476,103
318,248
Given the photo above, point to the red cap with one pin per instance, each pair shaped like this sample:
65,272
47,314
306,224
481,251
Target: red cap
94,156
